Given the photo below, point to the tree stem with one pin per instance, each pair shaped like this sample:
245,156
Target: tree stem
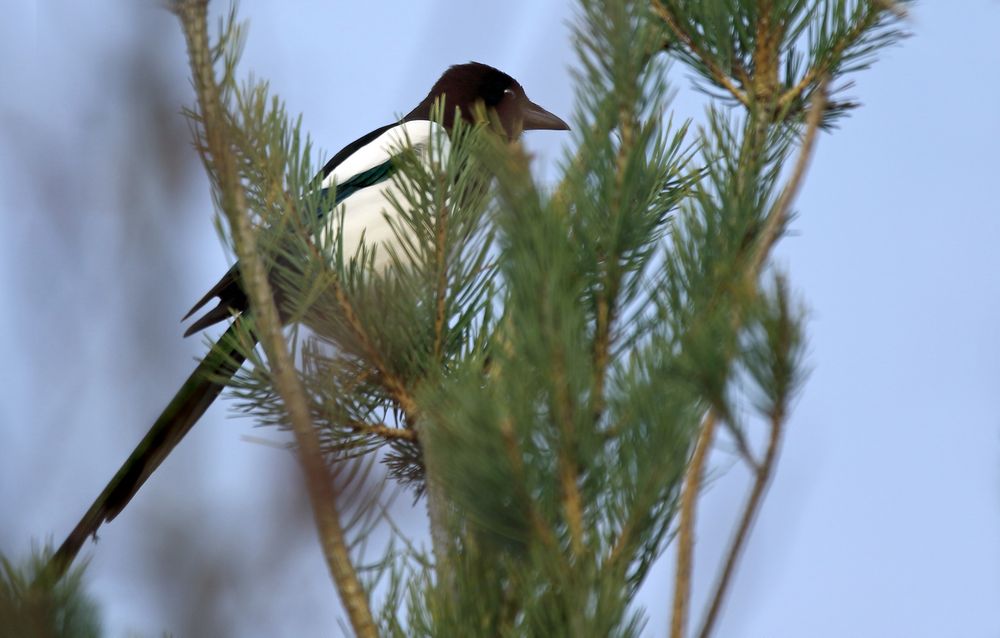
761,480
685,542
192,14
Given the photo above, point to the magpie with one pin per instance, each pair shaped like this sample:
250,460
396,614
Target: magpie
361,176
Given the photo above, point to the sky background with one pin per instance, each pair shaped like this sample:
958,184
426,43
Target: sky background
884,515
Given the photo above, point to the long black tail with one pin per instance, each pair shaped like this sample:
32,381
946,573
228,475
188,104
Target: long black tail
176,420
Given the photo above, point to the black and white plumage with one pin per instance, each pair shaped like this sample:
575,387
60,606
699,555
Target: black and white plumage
361,173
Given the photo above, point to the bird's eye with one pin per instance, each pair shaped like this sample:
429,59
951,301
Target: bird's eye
509,92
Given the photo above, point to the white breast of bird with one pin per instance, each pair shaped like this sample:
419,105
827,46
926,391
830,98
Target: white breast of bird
369,215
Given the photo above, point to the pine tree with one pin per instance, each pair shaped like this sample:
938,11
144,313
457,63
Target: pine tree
548,367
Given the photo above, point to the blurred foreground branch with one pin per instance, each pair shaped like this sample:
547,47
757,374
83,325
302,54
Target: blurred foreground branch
267,324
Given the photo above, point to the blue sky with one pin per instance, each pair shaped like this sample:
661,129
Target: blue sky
884,516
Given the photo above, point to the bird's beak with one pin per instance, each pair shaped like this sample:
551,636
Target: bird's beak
538,119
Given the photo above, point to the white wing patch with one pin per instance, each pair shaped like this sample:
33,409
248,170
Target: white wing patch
367,212
382,148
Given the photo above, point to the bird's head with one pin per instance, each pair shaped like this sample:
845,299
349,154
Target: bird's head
466,86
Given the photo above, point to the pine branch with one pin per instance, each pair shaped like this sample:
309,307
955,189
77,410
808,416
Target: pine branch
761,480
437,500
670,19
441,297
769,234
607,294
604,317
825,65
779,214
393,384
384,431
764,470
437,514
192,14
568,470
516,461
685,537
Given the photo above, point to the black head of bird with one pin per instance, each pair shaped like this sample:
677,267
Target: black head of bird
467,87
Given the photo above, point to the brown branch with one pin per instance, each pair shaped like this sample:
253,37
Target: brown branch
776,219
602,350
192,14
822,67
685,540
437,500
741,73
766,54
607,295
568,471
567,449
442,278
761,482
779,214
384,431
572,502
685,38
379,429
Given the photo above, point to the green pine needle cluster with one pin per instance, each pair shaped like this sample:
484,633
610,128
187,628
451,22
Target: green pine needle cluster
30,606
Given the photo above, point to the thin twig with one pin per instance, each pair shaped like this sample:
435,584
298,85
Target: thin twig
761,481
440,294
776,219
603,319
779,214
743,446
685,540
607,295
437,499
192,14
384,431
822,67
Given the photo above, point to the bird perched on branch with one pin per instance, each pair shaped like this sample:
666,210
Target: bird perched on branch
361,174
